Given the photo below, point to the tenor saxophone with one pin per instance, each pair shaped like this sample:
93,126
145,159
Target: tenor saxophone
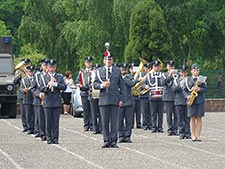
193,95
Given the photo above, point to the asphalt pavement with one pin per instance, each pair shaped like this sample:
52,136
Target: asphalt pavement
78,149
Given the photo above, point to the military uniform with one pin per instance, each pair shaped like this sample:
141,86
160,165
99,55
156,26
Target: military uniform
181,106
17,80
52,102
38,108
83,79
154,80
109,101
28,100
168,99
126,111
94,99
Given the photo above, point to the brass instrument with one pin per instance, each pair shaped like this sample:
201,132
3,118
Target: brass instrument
193,95
135,90
22,68
140,68
42,96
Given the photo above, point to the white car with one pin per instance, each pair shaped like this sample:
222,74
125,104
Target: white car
76,103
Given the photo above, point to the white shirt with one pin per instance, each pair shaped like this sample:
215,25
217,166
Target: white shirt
68,83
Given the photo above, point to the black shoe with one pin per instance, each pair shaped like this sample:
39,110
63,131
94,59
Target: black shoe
30,132
24,130
95,132
127,140
139,127
121,140
37,135
154,131
114,146
106,145
188,137
175,134
193,139
170,134
145,128
199,140
55,142
160,131
86,129
43,138
182,137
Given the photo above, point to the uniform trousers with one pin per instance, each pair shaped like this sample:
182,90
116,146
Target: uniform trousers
41,120
36,120
172,120
87,113
137,112
109,115
183,121
96,117
146,113
52,115
157,114
29,113
23,115
125,121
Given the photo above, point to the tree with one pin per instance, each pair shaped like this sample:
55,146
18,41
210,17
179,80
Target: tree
3,29
148,35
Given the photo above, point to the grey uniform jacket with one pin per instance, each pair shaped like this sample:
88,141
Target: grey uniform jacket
179,97
52,99
129,83
116,90
84,91
187,86
167,82
154,80
35,88
26,82
17,80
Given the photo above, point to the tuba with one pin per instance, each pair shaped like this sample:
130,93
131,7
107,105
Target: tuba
22,68
135,90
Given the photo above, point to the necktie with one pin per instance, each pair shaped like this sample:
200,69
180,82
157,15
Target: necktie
109,71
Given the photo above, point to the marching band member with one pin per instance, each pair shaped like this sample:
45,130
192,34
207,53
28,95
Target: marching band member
181,104
126,111
51,85
17,80
137,106
153,83
94,98
193,89
39,96
36,101
25,87
110,83
168,99
144,100
83,82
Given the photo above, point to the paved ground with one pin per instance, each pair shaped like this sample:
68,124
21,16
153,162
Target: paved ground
79,149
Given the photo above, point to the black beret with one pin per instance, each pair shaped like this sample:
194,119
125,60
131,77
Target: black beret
52,62
131,65
183,68
38,69
88,59
116,65
170,63
26,60
30,68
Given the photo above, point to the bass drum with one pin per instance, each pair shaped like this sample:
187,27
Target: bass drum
157,92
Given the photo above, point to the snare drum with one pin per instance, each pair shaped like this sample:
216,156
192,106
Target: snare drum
157,93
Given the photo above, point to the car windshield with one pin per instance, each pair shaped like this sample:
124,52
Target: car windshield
5,65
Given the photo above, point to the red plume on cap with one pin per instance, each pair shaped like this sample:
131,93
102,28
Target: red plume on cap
106,53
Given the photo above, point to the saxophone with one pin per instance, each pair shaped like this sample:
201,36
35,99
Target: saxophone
193,95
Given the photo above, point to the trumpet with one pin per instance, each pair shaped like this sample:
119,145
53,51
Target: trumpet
42,96
52,81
